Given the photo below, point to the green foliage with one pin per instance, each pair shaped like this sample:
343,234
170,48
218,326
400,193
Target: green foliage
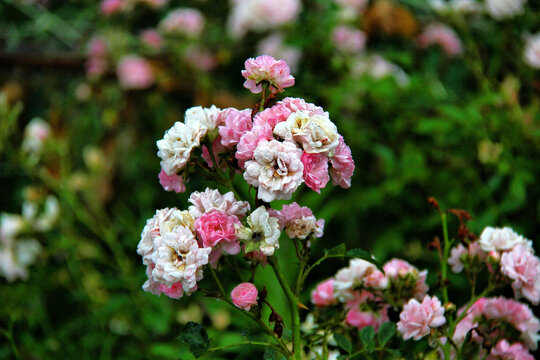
195,336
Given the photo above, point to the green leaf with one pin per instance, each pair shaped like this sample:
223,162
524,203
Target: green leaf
367,337
386,331
364,255
272,354
196,337
338,250
343,342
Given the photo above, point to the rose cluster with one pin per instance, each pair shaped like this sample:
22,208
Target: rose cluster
176,244
366,293
502,251
276,149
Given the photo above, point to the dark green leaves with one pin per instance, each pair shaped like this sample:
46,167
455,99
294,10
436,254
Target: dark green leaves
367,337
196,337
364,255
343,342
386,332
338,250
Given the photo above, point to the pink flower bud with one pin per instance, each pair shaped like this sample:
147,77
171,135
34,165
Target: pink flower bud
244,295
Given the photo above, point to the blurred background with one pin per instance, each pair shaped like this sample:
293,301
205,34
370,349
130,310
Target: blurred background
435,98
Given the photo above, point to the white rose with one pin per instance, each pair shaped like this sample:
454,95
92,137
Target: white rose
316,133
176,146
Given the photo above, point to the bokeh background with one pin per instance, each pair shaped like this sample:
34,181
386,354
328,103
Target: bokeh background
435,99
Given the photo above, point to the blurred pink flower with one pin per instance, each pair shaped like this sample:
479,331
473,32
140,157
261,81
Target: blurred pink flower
274,46
244,295
152,39
417,319
315,171
348,39
442,35
360,313
200,59
523,267
504,351
266,68
216,227
183,21
342,165
110,7
134,72
172,182
237,123
323,294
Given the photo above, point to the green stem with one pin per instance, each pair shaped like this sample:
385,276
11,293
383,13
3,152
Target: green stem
318,262
9,336
293,304
444,262
282,346
255,343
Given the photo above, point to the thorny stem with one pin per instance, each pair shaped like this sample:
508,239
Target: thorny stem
293,304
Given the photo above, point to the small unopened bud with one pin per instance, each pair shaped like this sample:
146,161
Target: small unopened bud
450,307
494,257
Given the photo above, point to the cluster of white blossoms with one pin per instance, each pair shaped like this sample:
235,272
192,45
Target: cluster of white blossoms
179,141
171,253
18,249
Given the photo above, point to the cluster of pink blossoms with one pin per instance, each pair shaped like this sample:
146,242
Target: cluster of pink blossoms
504,251
277,149
367,294
500,319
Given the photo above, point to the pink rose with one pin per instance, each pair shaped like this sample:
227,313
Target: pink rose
244,295
134,72
175,291
323,294
216,227
315,171
266,68
249,141
237,123
417,319
172,182
342,165
523,268
504,351
272,116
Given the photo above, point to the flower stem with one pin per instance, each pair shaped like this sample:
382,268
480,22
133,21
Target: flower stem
282,346
293,304
444,262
